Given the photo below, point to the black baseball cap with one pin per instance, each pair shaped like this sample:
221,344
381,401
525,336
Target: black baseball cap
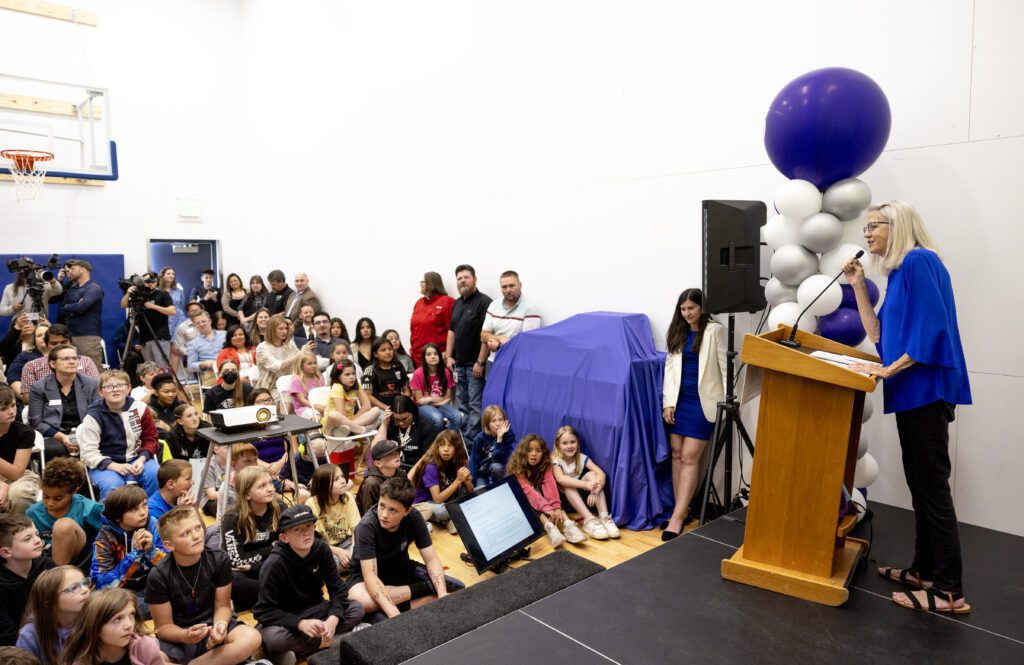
382,449
294,516
79,262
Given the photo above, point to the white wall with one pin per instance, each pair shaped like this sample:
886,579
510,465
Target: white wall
570,141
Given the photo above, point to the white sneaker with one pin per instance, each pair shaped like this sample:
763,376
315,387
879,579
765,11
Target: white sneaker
556,538
609,526
595,529
573,533
341,431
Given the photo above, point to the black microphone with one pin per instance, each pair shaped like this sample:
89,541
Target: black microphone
791,342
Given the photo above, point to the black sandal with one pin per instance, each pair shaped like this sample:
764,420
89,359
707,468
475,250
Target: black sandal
903,577
930,595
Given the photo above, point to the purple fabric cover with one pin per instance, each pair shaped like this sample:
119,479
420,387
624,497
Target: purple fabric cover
600,373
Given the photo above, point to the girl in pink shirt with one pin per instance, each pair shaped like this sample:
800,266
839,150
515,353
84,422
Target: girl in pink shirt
531,465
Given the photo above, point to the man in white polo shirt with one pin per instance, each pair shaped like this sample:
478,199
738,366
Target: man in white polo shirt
509,316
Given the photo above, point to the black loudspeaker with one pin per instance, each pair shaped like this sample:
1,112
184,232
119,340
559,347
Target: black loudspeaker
732,256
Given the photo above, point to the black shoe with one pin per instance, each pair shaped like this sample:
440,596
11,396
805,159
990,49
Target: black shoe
668,535
663,525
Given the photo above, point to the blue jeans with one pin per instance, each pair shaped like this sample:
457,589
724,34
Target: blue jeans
470,391
107,481
434,417
489,475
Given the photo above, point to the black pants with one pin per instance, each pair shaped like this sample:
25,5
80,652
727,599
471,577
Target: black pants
924,439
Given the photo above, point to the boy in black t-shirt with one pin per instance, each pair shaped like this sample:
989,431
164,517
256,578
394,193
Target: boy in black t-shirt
189,596
291,608
18,486
384,577
21,552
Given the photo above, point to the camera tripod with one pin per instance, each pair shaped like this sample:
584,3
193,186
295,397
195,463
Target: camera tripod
136,308
727,419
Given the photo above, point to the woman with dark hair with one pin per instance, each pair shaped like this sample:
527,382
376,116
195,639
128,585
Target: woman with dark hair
366,333
260,320
694,385
253,302
431,316
238,349
234,295
401,356
925,377
338,329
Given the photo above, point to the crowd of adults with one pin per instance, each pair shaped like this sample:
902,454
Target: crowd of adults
263,330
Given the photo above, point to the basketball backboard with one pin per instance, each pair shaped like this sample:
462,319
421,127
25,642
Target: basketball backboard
71,121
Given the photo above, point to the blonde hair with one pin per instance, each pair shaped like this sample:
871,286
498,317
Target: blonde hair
488,415
272,325
300,361
906,232
114,374
246,480
83,644
556,453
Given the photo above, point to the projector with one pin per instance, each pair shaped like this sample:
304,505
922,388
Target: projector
243,417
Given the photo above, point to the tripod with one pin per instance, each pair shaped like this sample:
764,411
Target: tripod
133,319
727,418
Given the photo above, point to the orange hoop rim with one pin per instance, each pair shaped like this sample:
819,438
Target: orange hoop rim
25,160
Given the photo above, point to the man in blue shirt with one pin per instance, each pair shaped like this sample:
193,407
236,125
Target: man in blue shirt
83,309
203,350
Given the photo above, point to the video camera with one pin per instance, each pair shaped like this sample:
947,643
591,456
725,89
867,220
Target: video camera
145,286
34,274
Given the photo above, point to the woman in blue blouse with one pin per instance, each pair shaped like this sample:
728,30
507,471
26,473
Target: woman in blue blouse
925,377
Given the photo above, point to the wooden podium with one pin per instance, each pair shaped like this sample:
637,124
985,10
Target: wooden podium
808,430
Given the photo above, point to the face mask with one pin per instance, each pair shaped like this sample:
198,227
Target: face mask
229,377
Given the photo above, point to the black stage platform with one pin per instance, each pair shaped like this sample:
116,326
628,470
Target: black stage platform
671,605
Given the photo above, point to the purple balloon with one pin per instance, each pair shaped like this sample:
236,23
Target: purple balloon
843,326
850,300
827,125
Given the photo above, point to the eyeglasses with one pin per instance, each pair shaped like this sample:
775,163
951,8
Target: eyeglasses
873,226
79,585
115,386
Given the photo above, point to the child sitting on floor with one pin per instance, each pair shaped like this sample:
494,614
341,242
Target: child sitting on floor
250,529
56,600
67,521
531,465
492,447
335,509
292,612
582,482
384,577
189,594
99,635
242,455
441,475
175,480
21,550
128,545
183,441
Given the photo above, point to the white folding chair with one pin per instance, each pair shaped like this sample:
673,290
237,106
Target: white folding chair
103,350
254,374
284,394
39,449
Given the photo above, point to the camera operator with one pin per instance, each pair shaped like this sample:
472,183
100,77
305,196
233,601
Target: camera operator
83,309
156,306
16,299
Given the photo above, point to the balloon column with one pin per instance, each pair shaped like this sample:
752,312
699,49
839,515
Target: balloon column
823,129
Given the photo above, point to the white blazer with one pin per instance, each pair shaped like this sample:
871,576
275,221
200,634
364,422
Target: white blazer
711,367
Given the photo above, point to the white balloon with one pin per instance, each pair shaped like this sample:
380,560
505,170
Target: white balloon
857,497
862,446
776,293
797,199
846,199
787,313
866,471
781,230
820,233
869,409
792,264
832,262
829,300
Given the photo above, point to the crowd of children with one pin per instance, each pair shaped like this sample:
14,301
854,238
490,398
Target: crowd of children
81,577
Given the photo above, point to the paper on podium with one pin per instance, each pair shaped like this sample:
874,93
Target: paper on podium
841,360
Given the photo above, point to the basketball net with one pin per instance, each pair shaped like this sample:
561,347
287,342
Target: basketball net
28,170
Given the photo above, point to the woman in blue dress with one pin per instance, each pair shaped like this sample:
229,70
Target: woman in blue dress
694,385
925,377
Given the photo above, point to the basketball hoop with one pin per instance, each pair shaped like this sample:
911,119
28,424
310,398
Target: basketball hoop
27,175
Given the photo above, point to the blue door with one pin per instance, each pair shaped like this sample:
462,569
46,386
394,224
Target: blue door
189,258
